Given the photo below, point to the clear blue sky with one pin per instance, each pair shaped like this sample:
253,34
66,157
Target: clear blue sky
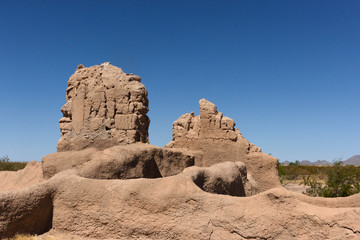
287,72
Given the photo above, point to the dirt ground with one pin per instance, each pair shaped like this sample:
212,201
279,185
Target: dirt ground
294,185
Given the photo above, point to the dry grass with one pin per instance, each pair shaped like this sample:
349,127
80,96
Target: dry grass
22,237
297,185
299,181
35,237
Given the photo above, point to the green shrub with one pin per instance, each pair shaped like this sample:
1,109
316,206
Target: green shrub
342,181
315,186
296,163
281,172
6,165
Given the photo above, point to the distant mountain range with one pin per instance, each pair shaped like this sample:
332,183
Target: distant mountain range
354,160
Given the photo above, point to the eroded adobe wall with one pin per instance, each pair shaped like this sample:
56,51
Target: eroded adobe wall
104,107
214,139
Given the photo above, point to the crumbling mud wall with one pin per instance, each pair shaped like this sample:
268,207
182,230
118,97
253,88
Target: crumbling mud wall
214,139
104,107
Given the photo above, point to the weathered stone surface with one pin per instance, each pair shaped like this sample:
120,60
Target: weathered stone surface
104,107
213,139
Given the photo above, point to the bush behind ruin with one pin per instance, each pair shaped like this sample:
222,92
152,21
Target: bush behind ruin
6,165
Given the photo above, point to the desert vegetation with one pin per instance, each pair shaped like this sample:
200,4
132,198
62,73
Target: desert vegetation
324,181
6,165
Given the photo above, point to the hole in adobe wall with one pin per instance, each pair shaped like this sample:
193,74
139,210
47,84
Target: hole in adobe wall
131,169
138,168
219,185
227,178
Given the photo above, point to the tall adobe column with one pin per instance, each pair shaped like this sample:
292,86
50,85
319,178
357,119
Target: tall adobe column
104,107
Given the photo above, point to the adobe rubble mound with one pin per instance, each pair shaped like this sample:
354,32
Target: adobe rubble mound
104,107
213,139
173,208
